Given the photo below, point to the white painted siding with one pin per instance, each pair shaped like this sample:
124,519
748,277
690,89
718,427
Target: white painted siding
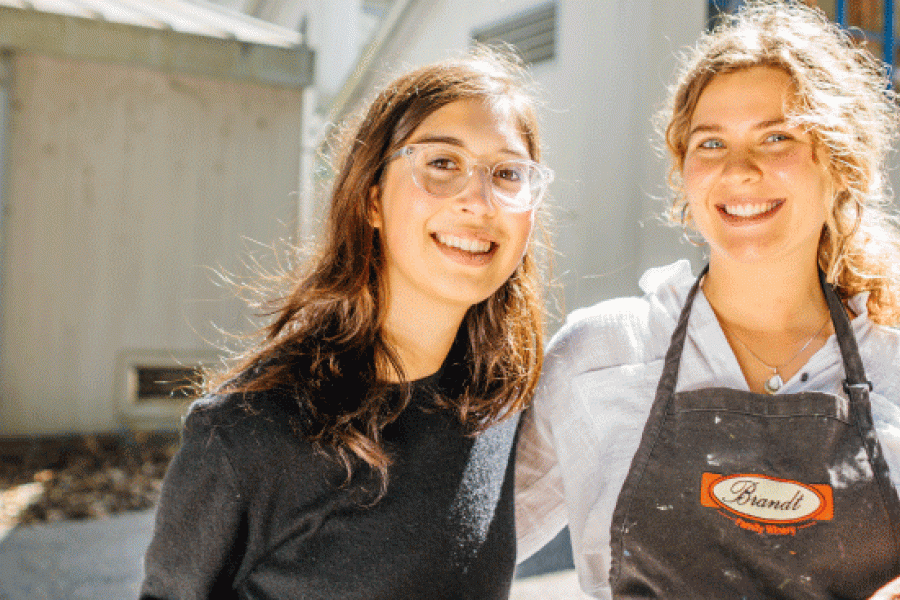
125,186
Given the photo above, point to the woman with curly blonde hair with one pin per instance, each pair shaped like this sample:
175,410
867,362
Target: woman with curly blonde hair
843,102
362,449
737,434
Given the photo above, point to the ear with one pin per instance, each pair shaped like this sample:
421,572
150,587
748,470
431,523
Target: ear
375,218
839,184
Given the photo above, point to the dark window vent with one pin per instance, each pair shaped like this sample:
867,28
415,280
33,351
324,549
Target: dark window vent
165,382
532,33
156,386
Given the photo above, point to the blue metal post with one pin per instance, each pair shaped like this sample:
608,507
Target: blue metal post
889,33
712,10
841,16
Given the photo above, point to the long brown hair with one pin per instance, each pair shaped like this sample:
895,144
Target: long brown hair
324,342
844,101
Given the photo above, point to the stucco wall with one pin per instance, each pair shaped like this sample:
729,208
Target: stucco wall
125,187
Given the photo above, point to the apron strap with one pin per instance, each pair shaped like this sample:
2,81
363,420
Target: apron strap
673,355
856,385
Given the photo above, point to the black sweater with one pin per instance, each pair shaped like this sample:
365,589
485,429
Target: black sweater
251,511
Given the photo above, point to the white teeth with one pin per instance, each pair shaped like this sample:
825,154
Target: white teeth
749,210
467,244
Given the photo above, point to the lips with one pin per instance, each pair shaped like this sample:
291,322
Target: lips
467,250
749,211
465,244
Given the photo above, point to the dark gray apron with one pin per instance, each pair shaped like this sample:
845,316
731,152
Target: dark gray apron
739,495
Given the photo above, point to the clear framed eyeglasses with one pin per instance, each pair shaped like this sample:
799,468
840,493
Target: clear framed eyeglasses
444,170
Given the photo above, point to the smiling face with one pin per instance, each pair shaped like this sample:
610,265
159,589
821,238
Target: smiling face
454,252
756,185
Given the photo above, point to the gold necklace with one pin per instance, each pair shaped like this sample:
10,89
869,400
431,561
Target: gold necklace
774,383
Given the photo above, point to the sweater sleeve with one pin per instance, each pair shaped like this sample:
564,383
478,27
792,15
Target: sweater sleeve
196,546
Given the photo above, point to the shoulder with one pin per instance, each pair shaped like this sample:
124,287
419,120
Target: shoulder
242,410
623,331
879,347
250,428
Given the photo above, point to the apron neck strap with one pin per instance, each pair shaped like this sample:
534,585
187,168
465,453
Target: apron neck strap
856,386
669,378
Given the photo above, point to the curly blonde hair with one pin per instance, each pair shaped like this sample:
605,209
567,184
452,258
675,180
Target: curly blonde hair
843,99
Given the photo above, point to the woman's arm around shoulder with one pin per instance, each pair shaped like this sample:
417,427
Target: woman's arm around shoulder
608,334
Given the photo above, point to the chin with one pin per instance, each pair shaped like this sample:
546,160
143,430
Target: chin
745,253
469,301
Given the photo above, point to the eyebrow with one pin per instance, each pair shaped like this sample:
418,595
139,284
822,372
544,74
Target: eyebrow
717,128
453,141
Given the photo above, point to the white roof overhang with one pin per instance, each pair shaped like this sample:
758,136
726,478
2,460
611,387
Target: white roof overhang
167,35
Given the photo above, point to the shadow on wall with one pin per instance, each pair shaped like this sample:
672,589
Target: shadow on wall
555,556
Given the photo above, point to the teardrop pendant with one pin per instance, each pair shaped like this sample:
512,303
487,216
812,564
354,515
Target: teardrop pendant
773,383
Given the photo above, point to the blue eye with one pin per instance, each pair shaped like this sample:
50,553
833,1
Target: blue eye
711,144
777,137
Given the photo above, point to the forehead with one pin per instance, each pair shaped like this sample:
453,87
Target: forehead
480,126
756,92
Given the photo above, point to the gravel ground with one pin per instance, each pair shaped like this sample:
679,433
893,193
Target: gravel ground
49,480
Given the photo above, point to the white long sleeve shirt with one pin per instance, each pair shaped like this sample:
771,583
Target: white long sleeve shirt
598,384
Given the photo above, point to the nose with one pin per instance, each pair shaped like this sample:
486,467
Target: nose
741,166
477,196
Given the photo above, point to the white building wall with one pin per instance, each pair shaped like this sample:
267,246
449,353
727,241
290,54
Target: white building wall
613,61
126,187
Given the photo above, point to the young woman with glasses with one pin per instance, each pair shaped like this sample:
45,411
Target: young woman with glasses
737,435
362,449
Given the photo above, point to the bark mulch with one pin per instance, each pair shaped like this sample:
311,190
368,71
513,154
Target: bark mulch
81,477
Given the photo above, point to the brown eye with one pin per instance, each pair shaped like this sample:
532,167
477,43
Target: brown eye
443,163
511,173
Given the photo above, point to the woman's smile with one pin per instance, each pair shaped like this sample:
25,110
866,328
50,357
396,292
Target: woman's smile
465,249
740,213
467,244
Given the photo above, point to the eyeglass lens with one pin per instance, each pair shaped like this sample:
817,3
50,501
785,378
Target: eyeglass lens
441,171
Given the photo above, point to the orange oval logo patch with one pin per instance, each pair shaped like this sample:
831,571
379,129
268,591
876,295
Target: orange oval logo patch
767,499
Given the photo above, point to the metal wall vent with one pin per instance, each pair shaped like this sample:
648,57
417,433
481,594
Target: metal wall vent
174,383
156,386
531,33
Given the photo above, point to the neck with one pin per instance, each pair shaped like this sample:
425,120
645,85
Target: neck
421,337
774,316
766,298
